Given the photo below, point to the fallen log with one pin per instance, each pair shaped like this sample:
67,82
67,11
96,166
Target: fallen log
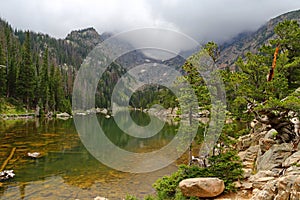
8,158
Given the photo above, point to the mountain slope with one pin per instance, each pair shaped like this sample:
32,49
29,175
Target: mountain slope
252,41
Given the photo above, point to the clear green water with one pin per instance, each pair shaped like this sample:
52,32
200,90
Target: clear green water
66,169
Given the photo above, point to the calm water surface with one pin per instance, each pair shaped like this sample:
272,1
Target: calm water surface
66,169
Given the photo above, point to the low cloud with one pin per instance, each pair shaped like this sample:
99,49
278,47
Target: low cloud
203,20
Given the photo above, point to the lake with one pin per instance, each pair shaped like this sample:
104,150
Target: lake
66,170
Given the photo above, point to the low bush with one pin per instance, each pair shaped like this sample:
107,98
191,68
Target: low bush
225,166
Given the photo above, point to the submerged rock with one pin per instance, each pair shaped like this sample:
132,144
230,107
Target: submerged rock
34,154
202,187
6,174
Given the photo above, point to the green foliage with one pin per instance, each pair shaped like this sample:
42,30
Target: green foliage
250,81
225,166
290,103
213,50
11,106
151,95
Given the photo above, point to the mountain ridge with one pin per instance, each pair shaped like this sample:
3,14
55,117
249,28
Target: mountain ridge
252,41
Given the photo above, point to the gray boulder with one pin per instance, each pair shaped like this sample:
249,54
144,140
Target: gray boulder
274,157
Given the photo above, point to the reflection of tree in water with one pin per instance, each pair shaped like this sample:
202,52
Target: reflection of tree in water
130,143
22,190
63,154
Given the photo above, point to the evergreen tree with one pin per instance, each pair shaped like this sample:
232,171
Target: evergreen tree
289,37
38,79
26,79
52,102
12,71
44,85
2,73
61,103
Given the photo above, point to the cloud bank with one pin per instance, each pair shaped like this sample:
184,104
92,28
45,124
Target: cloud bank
203,20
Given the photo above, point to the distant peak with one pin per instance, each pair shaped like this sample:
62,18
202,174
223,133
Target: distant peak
84,32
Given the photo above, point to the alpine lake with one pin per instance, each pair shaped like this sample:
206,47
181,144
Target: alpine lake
66,169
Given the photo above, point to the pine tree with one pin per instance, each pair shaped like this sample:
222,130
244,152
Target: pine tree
44,85
12,71
2,73
61,103
38,79
52,101
26,78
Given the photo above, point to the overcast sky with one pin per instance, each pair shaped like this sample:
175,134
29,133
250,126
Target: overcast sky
217,20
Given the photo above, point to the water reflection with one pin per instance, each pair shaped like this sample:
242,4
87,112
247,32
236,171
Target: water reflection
66,169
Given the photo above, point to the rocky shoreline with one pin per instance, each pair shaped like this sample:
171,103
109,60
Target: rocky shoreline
17,116
271,169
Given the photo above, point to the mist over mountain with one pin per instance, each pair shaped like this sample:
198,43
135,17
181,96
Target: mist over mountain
251,41
66,56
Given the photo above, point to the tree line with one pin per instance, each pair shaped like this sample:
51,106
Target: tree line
38,70
29,75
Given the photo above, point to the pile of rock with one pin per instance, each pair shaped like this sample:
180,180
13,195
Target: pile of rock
272,169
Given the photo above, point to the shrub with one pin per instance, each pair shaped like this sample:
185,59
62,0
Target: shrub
226,166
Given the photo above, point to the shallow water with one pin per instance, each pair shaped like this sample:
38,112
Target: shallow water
66,169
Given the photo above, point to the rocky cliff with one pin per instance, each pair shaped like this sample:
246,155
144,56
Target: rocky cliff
272,168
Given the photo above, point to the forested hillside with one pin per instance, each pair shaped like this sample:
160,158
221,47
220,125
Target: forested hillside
38,70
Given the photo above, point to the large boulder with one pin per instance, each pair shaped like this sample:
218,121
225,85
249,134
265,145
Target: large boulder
274,157
202,187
